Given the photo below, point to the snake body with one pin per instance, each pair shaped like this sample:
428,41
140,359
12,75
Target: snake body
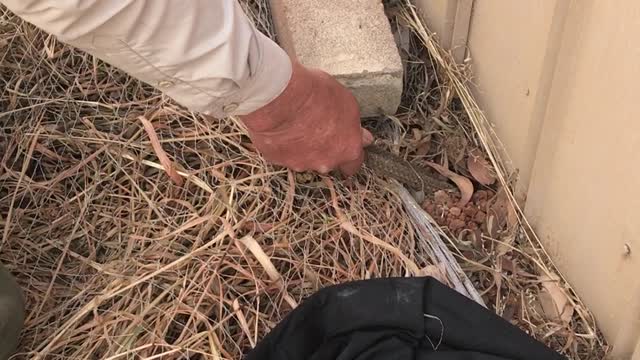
386,164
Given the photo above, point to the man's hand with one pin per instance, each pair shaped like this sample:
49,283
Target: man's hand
313,125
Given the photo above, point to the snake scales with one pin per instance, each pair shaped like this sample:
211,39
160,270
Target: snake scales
386,164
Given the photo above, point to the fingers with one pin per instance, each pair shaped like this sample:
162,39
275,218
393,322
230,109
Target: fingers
324,170
323,161
350,168
367,137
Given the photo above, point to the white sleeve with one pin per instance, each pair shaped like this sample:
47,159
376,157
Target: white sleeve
205,54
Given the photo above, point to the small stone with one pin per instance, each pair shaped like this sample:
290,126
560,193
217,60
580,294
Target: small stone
470,211
480,217
456,224
441,197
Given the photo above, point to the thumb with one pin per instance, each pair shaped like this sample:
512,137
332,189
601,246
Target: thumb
367,137
350,168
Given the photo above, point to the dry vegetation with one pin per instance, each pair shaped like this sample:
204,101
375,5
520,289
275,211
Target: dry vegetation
121,259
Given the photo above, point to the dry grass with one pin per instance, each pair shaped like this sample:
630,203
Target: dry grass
117,261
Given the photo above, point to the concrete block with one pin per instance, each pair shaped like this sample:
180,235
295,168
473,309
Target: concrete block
349,39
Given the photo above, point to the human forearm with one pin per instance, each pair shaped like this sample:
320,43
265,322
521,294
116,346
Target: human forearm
205,54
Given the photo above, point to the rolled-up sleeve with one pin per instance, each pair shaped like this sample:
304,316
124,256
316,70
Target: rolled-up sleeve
205,54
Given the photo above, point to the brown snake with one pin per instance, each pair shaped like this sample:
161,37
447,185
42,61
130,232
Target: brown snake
386,164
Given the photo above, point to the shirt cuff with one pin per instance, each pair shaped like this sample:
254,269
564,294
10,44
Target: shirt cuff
204,54
266,82
270,79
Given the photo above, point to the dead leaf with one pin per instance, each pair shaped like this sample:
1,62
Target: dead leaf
424,146
167,164
477,238
512,216
497,278
480,168
508,265
498,209
455,147
491,227
417,134
505,211
423,149
244,325
265,260
546,306
510,310
562,308
505,245
464,184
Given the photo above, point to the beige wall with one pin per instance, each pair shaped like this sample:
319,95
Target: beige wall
440,16
560,79
514,48
450,20
584,195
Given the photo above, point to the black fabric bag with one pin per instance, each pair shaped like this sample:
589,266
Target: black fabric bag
396,319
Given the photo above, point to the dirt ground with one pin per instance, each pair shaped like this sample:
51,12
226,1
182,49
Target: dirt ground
120,258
